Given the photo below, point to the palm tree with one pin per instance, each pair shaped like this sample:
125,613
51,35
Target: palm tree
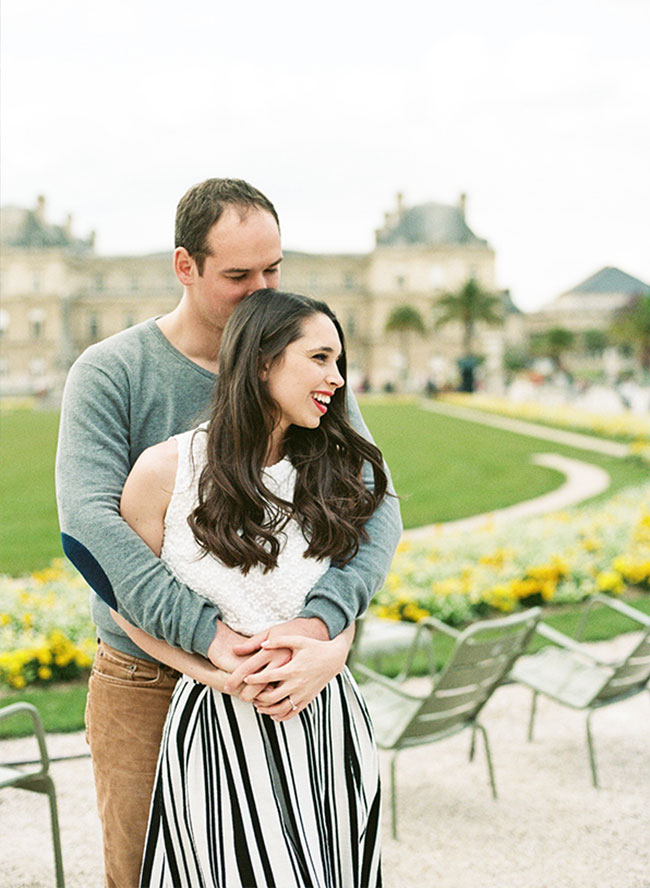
405,320
469,306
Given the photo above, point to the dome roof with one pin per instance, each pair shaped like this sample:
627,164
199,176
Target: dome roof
431,223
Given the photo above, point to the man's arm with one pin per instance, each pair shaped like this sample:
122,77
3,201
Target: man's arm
343,593
93,461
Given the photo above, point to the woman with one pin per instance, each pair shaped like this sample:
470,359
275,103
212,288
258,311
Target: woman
249,512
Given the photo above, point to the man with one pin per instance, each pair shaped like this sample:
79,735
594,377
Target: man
122,395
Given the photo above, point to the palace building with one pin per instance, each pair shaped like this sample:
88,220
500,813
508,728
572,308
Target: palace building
59,296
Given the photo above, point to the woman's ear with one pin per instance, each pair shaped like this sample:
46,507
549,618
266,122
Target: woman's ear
262,368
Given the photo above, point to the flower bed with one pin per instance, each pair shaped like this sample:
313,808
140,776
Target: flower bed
560,558
46,633
626,426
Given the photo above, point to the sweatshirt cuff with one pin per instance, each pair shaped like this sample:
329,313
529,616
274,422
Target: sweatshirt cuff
205,631
333,617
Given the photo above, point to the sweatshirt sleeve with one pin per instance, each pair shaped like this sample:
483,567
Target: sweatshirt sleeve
343,593
92,463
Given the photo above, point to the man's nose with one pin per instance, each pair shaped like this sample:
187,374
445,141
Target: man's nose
258,282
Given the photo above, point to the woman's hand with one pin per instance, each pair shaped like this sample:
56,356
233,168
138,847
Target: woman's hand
312,666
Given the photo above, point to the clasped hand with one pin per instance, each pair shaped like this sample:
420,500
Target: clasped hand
282,669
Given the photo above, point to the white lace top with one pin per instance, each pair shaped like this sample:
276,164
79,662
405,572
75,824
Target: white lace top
248,603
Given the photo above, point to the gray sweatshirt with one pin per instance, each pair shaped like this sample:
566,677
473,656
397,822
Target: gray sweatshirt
123,395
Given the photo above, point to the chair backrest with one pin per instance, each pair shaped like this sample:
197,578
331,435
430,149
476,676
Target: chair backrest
630,676
481,659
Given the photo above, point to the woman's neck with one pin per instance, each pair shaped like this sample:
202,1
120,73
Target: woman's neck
275,450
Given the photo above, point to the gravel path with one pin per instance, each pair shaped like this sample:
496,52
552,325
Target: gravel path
548,829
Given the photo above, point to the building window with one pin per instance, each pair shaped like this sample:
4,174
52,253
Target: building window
99,281
349,281
4,321
351,326
129,320
4,367
93,328
36,323
36,282
400,280
36,367
313,281
135,283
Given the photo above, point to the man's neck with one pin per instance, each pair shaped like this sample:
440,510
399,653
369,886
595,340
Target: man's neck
191,336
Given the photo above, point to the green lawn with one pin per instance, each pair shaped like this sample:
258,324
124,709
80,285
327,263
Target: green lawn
444,468
29,529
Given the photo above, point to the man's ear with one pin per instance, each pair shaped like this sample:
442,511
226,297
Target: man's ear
184,266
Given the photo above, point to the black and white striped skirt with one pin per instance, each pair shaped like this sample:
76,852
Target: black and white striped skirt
242,801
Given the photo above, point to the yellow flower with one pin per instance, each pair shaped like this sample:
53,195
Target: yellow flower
44,672
610,581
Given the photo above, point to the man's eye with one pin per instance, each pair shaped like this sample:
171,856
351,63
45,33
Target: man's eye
274,270
236,277
320,357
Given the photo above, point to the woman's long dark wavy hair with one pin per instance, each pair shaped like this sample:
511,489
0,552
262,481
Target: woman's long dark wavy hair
238,519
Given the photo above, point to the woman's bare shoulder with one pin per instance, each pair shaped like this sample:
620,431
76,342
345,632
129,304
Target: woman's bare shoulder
158,464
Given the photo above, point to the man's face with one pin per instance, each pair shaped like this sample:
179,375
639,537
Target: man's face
246,253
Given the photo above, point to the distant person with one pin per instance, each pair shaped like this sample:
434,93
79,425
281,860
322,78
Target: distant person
249,511
125,394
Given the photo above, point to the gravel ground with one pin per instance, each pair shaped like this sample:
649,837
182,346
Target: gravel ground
548,829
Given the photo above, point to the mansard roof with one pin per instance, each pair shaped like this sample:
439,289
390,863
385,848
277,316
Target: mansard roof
432,224
21,227
611,280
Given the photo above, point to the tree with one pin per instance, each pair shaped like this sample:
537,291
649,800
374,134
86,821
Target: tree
405,320
554,343
632,326
469,306
595,341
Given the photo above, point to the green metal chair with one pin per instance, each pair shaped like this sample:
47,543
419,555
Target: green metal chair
481,659
35,780
571,675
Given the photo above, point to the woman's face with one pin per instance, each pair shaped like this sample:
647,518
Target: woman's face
305,376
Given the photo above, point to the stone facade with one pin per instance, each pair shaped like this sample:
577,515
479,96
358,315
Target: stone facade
59,296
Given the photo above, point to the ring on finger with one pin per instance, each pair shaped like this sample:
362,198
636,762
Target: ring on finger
293,705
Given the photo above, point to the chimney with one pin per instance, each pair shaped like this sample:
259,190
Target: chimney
67,225
39,211
462,204
400,205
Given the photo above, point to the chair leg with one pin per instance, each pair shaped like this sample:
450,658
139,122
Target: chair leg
472,748
393,795
56,834
592,752
488,757
533,712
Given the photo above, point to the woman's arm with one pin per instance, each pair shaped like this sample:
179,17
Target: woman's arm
193,665
145,499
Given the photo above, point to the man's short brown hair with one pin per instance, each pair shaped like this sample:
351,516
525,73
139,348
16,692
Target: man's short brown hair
202,206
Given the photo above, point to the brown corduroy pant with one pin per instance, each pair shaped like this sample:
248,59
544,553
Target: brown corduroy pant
128,699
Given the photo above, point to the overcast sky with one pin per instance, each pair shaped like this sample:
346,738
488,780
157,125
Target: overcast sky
538,111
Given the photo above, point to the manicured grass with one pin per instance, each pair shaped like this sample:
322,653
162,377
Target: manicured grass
29,529
446,468
61,707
